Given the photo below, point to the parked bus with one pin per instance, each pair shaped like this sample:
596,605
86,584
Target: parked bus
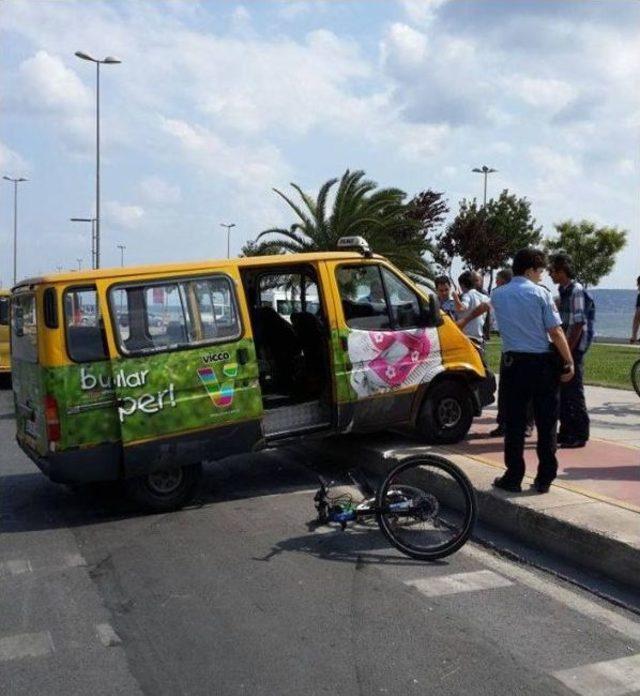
139,374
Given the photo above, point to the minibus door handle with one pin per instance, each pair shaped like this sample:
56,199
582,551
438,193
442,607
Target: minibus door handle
242,356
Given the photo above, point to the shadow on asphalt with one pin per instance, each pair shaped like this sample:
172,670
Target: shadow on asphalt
30,502
362,545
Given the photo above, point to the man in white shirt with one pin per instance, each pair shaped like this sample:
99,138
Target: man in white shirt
465,304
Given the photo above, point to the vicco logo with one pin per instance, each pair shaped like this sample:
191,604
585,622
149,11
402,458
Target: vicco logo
220,393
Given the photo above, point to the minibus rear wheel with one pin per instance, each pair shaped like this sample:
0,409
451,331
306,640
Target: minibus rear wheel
165,489
446,414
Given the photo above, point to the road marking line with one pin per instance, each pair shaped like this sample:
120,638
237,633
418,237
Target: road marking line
16,567
611,678
613,620
459,582
25,645
108,637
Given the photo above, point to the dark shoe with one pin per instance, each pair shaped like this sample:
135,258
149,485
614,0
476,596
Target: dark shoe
572,444
540,486
497,432
504,484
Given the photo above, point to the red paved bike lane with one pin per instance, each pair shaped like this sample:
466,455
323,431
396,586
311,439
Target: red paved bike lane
604,469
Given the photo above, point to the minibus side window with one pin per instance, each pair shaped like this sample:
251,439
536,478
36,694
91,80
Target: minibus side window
162,316
405,305
217,308
363,298
4,311
83,325
24,330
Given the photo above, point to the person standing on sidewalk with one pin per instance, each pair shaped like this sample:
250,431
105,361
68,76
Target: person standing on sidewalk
635,326
577,312
465,303
528,317
503,277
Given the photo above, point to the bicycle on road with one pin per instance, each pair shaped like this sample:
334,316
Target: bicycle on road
635,376
426,506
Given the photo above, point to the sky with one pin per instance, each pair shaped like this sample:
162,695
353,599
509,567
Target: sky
217,102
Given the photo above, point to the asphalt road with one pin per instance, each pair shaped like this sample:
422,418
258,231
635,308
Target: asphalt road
239,594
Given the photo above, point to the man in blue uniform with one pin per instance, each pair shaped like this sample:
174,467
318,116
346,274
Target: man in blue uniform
528,318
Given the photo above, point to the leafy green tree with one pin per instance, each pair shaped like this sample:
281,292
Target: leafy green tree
359,208
592,249
486,238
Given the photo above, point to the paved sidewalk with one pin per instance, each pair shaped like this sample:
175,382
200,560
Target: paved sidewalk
608,468
591,514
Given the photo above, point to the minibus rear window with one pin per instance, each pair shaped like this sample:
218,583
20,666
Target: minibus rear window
83,324
4,311
24,328
162,316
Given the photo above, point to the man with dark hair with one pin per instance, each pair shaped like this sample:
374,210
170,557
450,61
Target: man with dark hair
577,311
503,276
443,288
636,317
465,304
528,317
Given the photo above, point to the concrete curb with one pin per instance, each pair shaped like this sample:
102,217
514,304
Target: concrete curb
594,534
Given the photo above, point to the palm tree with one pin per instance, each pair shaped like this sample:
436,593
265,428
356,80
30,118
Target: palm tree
359,209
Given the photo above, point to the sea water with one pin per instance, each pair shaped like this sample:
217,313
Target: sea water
614,312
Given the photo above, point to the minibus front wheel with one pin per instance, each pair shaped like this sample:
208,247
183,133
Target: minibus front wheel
447,413
165,489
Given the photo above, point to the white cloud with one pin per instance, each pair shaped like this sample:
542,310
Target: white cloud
549,94
246,165
46,84
421,11
125,216
157,191
11,162
405,45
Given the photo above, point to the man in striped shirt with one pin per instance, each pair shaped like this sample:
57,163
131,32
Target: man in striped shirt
577,312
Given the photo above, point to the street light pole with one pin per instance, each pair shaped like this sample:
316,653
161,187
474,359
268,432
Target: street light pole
486,171
79,264
93,237
15,183
109,60
122,247
228,226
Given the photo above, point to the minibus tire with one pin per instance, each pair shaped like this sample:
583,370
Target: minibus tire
181,485
451,399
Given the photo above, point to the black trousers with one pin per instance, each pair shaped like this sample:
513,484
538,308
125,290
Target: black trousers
530,377
500,416
574,418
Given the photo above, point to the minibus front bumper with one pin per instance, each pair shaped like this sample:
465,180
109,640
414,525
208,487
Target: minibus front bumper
98,463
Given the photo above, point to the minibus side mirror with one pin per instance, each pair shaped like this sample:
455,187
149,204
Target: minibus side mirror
431,316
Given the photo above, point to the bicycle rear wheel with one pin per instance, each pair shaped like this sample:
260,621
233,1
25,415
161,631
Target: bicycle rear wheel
426,507
635,376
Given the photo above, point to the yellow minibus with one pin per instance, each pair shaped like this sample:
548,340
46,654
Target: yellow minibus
139,374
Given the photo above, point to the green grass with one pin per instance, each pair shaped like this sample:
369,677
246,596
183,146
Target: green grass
605,365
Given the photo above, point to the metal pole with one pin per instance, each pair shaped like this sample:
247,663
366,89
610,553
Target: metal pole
15,231
228,226
98,164
485,189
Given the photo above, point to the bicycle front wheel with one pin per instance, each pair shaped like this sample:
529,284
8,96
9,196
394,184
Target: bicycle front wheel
635,376
426,507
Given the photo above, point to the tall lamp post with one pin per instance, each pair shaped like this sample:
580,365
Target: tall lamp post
93,237
109,60
228,226
15,183
122,247
486,171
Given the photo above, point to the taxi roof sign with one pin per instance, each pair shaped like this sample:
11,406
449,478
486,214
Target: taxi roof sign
357,243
